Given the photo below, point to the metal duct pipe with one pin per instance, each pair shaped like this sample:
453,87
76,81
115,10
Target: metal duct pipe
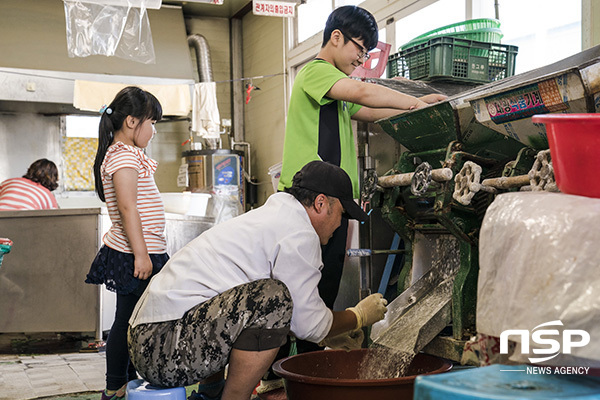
202,57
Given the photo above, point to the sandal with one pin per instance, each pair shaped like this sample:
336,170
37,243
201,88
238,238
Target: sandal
119,394
109,397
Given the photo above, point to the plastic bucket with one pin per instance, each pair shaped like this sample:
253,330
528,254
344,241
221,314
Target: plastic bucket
574,141
334,374
5,246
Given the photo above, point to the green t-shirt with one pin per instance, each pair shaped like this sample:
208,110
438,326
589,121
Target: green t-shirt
318,128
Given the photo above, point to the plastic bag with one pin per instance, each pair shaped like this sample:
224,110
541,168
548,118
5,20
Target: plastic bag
538,263
275,173
225,203
97,28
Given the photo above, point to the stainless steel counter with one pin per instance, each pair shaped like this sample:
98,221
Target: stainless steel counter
42,285
181,229
41,279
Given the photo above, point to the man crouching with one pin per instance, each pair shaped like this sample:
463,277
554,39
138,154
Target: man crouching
232,295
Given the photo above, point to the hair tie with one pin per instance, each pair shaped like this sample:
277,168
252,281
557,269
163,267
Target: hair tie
106,109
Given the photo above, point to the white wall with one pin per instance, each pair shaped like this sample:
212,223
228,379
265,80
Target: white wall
34,37
264,115
24,138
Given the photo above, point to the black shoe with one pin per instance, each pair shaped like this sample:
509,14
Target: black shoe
216,387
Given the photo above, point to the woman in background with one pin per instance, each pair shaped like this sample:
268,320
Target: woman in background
33,191
134,247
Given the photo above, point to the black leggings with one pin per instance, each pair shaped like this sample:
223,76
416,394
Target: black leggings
119,369
115,269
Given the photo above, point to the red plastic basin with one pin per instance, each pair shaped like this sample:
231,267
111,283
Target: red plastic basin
574,141
333,375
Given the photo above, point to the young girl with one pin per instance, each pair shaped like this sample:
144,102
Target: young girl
134,248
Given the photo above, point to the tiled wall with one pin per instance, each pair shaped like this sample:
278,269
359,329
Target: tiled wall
78,161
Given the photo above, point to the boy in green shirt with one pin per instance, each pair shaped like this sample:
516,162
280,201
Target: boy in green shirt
323,101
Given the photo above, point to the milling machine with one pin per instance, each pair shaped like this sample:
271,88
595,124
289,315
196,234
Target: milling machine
457,155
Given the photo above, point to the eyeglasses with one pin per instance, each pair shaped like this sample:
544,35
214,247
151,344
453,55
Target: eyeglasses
364,53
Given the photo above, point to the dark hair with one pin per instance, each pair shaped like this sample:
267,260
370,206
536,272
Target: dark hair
355,22
44,172
305,196
129,101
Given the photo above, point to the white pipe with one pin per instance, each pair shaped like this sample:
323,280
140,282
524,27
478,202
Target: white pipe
438,175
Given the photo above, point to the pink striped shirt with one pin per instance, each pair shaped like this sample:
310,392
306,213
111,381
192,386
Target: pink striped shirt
149,203
24,194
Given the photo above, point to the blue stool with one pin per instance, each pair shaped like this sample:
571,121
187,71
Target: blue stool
501,382
139,389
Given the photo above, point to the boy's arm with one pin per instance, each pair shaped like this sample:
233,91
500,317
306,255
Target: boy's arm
377,101
368,114
372,95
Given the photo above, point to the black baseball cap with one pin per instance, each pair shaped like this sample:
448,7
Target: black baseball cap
331,180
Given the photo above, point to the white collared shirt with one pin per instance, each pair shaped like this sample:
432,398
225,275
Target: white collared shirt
275,241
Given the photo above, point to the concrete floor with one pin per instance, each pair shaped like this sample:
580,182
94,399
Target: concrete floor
70,376
24,377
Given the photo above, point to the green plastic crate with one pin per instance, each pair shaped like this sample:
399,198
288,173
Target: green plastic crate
490,35
457,27
452,59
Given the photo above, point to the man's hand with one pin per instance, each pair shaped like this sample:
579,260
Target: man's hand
350,340
369,310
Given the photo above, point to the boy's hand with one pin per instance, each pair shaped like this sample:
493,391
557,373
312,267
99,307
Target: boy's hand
420,104
433,98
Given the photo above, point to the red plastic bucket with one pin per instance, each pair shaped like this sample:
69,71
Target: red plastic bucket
575,149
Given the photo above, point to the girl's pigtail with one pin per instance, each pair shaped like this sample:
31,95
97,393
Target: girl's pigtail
105,138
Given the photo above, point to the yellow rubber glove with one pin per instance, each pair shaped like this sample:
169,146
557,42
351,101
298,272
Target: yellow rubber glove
369,310
350,340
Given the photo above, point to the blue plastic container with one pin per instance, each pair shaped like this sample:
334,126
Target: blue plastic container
500,382
139,389
4,249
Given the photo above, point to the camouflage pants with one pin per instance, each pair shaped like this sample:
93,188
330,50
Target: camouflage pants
254,316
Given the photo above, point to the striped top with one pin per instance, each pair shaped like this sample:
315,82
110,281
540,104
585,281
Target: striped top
24,194
149,202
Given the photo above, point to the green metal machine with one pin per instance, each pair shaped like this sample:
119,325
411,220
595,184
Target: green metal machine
431,136
487,130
